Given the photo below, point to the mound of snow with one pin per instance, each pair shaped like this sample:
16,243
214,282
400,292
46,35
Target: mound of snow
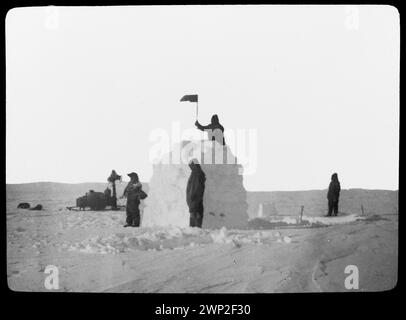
220,236
333,220
290,220
276,222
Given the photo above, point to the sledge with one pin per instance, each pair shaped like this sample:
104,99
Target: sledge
75,208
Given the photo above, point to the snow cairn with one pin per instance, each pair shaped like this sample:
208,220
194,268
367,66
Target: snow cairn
225,198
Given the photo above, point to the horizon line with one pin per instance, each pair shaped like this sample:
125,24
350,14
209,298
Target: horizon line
249,190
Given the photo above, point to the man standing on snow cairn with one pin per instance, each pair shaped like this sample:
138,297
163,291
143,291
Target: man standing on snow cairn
215,130
134,193
333,195
194,194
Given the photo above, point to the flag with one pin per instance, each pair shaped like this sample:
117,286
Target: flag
189,97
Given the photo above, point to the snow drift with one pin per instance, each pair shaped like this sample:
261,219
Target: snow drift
172,238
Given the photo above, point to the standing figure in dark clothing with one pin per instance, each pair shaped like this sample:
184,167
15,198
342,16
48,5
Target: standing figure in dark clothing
194,194
131,191
215,130
333,195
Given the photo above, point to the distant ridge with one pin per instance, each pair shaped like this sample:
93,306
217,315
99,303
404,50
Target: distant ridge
44,183
61,183
58,190
146,184
279,202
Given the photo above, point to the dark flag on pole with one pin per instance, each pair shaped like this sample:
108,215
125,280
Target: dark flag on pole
190,97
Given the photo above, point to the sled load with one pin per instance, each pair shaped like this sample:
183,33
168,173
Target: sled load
99,200
94,200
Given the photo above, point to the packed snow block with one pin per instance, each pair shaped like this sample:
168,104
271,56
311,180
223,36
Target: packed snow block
225,198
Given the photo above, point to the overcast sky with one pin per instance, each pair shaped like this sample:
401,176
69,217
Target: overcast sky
86,86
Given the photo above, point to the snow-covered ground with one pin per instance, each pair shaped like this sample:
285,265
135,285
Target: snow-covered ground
93,252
